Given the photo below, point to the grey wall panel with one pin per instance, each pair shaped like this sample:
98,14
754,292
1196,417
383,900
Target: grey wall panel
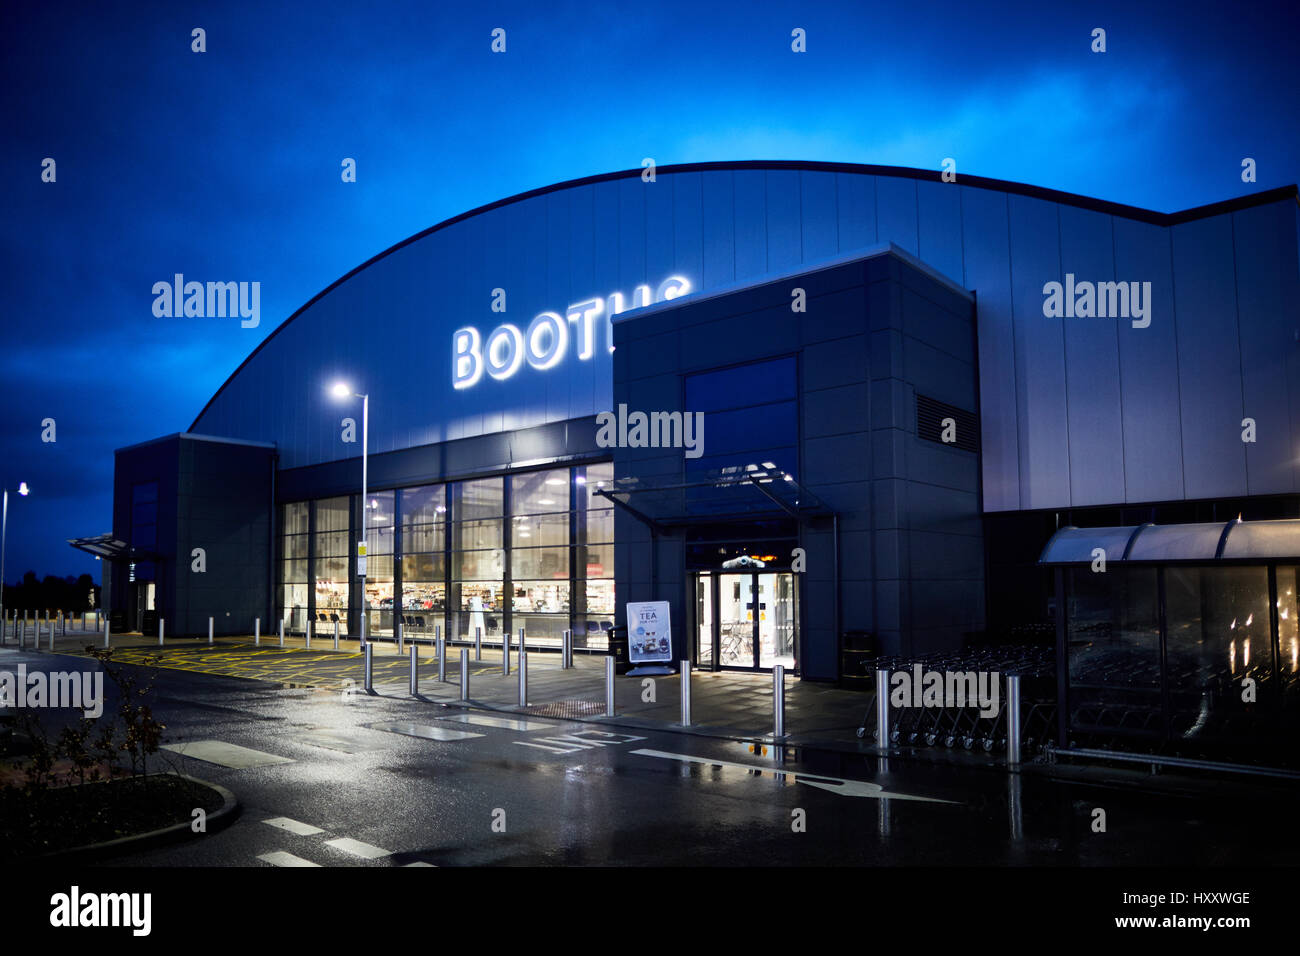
1152,417
857,210
718,222
988,272
784,229
631,233
1039,355
896,212
750,213
1209,359
1096,427
1268,309
820,236
939,244
688,230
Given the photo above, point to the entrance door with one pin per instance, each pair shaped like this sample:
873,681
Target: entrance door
757,620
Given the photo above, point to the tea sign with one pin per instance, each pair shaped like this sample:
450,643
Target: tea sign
649,639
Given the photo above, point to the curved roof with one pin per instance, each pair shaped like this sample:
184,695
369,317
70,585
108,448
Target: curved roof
929,175
1234,540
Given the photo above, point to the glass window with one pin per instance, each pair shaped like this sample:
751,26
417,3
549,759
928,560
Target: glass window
539,563
332,514
424,505
478,499
530,531
380,522
539,492
472,535
478,565
295,517
1219,634
1114,651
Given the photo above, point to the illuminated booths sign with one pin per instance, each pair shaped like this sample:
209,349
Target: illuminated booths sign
545,343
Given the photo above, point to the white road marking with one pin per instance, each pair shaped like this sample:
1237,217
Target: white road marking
280,858
581,740
845,788
226,755
357,848
508,723
426,731
293,826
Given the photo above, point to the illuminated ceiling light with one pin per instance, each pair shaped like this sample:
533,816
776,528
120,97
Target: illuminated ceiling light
24,490
555,481
546,501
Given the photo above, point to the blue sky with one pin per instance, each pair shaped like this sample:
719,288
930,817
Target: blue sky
226,164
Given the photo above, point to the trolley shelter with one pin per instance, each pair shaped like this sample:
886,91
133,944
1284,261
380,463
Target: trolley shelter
1180,638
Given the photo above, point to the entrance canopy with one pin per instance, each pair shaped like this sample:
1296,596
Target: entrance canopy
735,492
1235,540
110,548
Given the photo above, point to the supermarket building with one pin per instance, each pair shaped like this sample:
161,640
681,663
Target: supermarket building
905,387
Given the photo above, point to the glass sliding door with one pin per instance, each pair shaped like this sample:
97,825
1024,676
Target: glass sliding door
757,620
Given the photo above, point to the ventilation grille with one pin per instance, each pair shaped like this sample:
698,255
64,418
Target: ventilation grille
930,415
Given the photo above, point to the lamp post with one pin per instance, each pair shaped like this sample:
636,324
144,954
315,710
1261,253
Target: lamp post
341,390
4,540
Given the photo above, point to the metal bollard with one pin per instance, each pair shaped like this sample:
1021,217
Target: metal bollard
609,686
209,630
478,643
464,673
107,628
282,632
882,707
523,673
162,629
1013,720
686,693
51,636
370,668
505,652
336,635
257,632
401,643
442,653
778,701
309,626
415,672
566,651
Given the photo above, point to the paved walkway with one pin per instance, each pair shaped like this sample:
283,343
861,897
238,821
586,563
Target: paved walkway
726,704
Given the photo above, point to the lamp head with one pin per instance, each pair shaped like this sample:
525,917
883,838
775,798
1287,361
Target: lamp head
341,390
22,488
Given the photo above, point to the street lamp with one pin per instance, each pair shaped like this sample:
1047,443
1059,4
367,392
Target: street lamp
343,391
4,540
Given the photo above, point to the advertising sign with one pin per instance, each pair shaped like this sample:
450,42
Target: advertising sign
648,637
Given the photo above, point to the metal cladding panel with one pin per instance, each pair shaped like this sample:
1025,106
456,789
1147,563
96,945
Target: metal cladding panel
751,223
1268,309
1074,411
938,209
1153,436
784,239
718,223
857,210
1092,366
1044,445
896,212
988,272
1209,359
688,228
820,238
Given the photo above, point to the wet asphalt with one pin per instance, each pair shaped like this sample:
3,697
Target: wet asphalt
372,787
